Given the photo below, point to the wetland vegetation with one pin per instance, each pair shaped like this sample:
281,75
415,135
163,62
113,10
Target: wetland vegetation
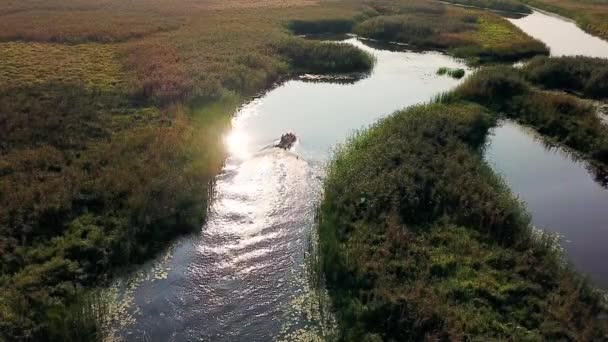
475,35
419,239
558,116
455,73
112,128
112,116
583,75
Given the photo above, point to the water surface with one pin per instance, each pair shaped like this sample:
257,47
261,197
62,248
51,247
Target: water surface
561,35
560,191
242,278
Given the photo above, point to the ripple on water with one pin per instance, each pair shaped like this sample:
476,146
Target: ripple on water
242,277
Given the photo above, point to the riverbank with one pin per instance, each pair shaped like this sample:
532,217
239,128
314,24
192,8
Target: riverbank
468,33
113,118
558,116
435,246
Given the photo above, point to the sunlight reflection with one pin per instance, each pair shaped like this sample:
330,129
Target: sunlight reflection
236,141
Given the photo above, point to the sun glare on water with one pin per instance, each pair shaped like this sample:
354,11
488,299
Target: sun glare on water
236,142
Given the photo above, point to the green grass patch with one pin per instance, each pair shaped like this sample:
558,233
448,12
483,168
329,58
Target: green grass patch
455,73
477,36
558,116
307,56
109,150
419,239
585,75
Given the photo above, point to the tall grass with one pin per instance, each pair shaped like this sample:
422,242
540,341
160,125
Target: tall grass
477,36
455,73
109,150
558,116
586,75
420,240
319,57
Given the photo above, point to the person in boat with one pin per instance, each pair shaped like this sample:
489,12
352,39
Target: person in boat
287,141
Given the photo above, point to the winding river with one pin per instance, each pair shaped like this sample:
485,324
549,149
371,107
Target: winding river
563,194
242,278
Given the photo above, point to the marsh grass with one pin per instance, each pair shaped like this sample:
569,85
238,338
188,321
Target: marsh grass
419,239
558,116
112,115
304,56
455,73
591,16
478,36
585,75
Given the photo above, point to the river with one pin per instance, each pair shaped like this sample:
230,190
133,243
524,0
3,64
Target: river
560,191
242,278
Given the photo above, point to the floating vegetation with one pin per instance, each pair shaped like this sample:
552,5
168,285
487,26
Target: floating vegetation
455,73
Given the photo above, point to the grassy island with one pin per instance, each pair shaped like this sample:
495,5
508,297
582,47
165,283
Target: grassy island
419,239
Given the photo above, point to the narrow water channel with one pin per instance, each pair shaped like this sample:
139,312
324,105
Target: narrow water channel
561,35
561,192
242,277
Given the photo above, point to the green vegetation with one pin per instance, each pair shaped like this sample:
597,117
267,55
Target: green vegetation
496,5
558,116
455,73
586,75
590,15
318,57
471,34
419,239
109,149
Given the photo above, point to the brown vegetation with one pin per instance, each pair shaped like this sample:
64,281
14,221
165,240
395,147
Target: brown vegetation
466,33
111,117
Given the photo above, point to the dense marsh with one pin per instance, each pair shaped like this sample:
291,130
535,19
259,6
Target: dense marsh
419,239
112,127
558,116
113,114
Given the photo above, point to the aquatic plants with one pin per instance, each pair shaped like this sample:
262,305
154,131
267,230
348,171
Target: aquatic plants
586,75
558,116
419,239
455,73
478,36
320,57
109,149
